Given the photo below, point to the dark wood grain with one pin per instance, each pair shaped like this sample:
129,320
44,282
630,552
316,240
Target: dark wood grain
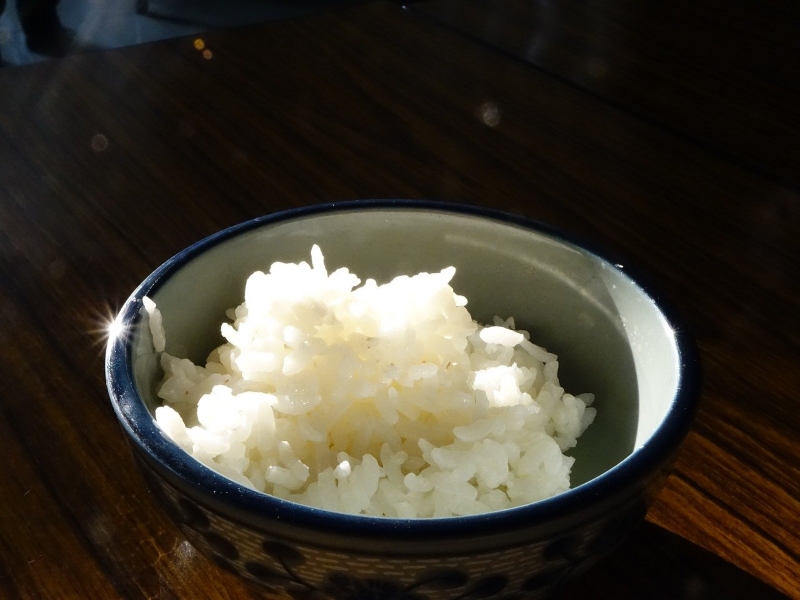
111,162
659,565
724,75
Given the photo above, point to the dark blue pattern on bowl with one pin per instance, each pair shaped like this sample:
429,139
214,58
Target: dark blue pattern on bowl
522,551
276,564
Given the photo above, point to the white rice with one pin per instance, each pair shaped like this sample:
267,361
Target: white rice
380,399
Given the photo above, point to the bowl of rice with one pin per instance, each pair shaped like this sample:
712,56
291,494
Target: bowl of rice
401,399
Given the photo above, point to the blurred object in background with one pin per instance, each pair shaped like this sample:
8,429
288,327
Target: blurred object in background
41,29
79,25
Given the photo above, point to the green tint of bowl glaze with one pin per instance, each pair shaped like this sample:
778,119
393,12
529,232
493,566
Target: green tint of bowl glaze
572,302
613,338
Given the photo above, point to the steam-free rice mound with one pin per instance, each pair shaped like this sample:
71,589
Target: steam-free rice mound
374,399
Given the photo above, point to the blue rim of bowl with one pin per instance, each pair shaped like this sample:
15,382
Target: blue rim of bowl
627,475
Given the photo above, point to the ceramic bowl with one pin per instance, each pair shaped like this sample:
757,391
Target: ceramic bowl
613,334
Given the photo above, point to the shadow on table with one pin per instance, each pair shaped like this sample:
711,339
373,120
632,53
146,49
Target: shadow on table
658,565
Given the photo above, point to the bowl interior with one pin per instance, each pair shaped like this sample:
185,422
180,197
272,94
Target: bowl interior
610,337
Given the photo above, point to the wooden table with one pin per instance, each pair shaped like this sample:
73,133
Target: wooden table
665,133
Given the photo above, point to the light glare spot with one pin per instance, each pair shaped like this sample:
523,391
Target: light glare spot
99,142
207,54
199,44
115,329
104,326
489,113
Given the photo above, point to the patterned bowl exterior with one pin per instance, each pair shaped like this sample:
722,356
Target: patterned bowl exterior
305,570
304,553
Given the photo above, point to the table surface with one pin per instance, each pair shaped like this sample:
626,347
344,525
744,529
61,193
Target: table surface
664,133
